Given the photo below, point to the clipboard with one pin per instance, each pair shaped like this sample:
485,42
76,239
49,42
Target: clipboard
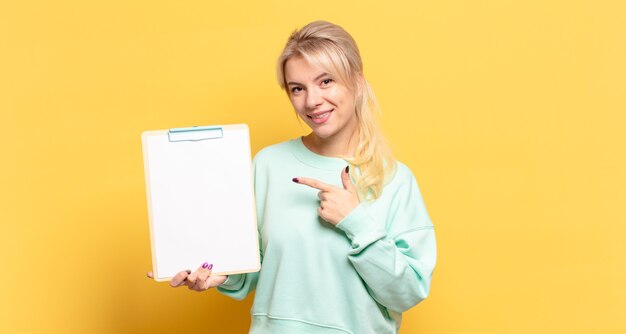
201,200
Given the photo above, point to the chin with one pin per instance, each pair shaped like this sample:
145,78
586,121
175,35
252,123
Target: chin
323,134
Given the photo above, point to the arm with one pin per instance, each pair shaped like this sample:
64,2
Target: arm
395,262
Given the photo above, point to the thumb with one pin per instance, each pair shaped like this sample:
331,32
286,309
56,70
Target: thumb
347,181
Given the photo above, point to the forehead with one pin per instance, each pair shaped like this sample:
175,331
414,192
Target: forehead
298,69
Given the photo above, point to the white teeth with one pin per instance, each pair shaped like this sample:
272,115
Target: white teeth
320,116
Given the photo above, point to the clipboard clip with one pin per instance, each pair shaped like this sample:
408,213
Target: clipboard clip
195,133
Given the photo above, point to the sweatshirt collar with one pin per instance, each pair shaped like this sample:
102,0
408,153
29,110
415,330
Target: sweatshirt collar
315,160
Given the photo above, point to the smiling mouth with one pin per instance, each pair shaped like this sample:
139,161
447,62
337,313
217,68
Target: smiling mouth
322,117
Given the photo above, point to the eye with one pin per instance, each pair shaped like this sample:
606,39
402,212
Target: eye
327,82
296,89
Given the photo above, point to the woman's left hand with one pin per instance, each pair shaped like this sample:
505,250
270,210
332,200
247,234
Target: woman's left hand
335,203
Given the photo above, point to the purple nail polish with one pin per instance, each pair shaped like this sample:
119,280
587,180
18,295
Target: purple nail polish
204,265
210,266
295,179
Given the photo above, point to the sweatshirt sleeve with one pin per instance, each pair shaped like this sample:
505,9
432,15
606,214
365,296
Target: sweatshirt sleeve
239,286
395,258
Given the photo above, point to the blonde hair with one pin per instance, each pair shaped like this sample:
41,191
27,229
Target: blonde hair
330,47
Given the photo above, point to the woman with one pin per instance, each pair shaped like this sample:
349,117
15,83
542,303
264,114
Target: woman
346,242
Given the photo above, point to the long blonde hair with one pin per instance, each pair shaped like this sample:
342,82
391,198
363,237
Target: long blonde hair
330,47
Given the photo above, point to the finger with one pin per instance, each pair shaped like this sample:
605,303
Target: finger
321,195
347,181
150,275
179,279
320,212
203,278
193,278
313,183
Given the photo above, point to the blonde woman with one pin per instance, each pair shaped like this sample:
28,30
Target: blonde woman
346,242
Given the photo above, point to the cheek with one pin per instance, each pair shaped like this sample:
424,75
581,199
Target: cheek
298,107
341,96
295,104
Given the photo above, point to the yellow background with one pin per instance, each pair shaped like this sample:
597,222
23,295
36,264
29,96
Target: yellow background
509,113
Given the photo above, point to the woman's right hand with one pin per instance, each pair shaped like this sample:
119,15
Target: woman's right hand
199,280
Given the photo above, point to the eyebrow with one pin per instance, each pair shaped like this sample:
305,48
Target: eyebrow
316,78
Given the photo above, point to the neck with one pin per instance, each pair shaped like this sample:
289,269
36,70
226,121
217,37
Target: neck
343,145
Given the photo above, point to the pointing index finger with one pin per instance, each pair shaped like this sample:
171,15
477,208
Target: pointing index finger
313,183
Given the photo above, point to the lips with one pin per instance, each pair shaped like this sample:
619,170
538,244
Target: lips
321,117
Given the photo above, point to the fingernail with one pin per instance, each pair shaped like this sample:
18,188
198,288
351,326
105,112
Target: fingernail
188,271
295,179
204,265
210,266
348,169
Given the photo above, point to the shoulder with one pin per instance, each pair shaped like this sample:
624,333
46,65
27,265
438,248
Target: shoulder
274,151
402,184
282,152
402,175
401,204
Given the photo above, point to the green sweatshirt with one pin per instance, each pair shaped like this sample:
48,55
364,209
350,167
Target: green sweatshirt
357,277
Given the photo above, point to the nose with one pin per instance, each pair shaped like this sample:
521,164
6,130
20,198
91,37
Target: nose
313,98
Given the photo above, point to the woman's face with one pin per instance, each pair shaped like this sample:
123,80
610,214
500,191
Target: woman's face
325,104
